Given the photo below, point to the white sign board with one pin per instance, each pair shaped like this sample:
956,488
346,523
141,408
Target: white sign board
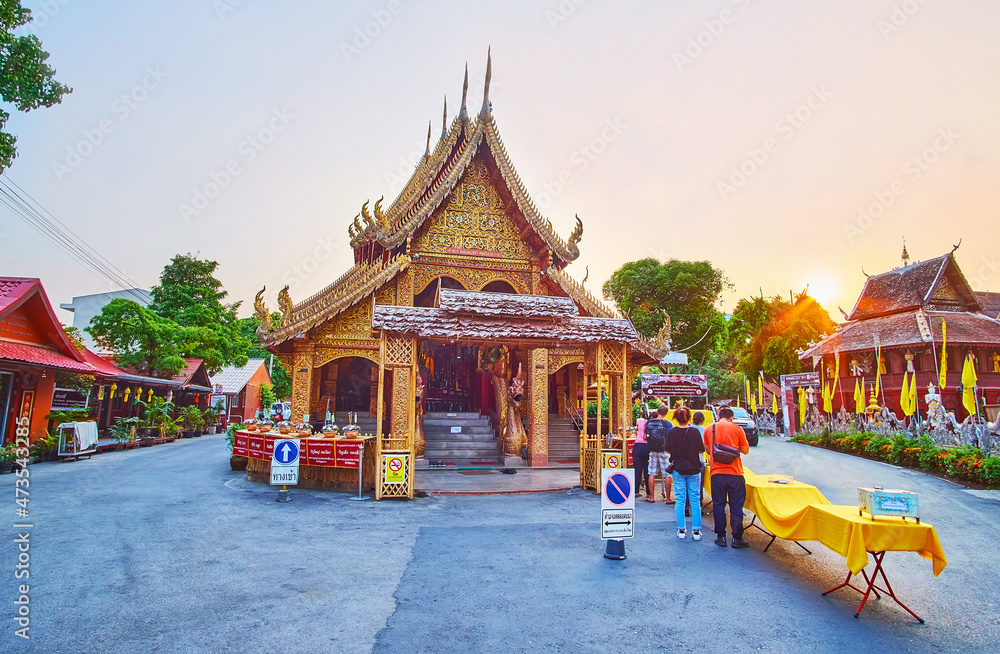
285,462
617,503
456,429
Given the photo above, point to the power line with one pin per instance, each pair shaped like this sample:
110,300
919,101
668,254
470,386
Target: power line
45,223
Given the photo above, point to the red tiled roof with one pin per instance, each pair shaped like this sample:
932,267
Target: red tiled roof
102,365
991,303
40,356
28,295
188,371
903,329
506,304
911,287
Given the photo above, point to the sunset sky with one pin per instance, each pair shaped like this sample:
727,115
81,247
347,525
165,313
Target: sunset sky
789,143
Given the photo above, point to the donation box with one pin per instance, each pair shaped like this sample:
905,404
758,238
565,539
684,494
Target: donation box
883,501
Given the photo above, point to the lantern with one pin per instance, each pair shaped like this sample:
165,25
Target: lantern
114,387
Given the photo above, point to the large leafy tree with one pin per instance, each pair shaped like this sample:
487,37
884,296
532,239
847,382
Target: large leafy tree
767,333
190,295
26,81
688,291
282,383
140,339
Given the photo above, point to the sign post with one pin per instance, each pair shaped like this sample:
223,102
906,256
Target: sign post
361,466
617,510
285,466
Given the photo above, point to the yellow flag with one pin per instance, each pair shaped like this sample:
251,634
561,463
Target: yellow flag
803,405
904,395
753,403
774,404
760,388
969,381
859,396
836,372
943,377
878,367
913,393
746,382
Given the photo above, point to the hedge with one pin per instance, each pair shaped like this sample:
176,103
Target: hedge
963,462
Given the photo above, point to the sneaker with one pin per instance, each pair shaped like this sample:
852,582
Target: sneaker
696,535
681,534
739,543
720,541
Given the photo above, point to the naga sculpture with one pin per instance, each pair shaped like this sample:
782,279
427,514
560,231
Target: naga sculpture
285,304
573,244
260,311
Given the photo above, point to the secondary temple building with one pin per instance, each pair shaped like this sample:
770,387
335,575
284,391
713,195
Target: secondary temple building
459,308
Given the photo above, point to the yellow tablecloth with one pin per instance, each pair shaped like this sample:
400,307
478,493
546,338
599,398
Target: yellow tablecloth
798,511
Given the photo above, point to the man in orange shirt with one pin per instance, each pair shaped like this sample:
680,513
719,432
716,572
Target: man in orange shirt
727,478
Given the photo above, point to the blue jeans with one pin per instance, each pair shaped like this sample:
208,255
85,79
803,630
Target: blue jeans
686,490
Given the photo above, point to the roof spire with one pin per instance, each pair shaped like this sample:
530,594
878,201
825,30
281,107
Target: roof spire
427,152
465,92
906,255
444,118
486,89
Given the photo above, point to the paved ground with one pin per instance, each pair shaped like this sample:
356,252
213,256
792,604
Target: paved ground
166,550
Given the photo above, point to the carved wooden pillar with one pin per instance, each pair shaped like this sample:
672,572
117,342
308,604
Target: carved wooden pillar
538,391
404,288
302,377
400,411
315,386
373,392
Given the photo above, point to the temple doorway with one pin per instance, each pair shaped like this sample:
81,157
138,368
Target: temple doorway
453,381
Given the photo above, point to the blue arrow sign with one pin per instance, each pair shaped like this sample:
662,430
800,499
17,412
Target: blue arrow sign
618,489
286,452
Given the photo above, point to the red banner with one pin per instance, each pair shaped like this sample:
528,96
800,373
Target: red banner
320,453
349,454
241,444
631,446
315,451
255,445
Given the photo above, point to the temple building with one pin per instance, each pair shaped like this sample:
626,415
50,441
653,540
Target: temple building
458,313
903,310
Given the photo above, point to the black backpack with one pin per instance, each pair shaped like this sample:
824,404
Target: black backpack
656,434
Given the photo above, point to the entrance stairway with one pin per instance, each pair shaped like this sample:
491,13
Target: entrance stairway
461,438
564,440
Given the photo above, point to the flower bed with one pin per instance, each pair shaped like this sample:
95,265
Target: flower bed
966,463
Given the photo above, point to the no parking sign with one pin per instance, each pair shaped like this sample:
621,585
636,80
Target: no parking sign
617,503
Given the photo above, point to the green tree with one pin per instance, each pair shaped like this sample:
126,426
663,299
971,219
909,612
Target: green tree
688,291
723,382
190,295
140,339
26,81
279,376
767,333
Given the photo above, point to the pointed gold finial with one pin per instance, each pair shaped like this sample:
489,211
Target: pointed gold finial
444,118
464,111
486,87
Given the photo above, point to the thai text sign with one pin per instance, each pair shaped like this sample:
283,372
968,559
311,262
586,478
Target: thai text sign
801,380
674,386
68,398
321,452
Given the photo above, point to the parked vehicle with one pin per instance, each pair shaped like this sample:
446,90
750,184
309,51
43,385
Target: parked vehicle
742,418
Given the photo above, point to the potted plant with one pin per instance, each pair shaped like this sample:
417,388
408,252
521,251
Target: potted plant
265,426
8,455
305,430
235,462
170,427
330,430
284,427
251,425
213,415
192,421
121,431
156,410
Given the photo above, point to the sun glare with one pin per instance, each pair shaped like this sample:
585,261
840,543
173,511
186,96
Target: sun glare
822,288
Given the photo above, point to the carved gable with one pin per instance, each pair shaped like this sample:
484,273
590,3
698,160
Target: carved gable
473,223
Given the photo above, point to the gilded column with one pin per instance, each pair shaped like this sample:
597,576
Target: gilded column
538,435
401,401
302,377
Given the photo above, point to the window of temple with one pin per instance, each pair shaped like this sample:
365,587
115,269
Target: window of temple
499,286
426,297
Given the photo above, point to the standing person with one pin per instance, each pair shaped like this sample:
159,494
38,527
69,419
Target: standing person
685,445
640,456
727,478
698,422
656,437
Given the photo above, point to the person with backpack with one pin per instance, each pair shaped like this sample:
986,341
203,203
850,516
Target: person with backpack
725,442
685,446
640,457
656,438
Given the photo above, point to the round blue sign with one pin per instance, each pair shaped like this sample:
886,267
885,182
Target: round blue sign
286,451
618,489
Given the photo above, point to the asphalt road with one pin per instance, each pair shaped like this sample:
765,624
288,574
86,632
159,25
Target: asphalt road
166,550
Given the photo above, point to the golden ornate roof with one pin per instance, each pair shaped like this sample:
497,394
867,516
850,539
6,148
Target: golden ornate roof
357,283
580,295
436,176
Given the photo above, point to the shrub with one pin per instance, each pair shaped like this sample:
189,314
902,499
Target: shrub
990,471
